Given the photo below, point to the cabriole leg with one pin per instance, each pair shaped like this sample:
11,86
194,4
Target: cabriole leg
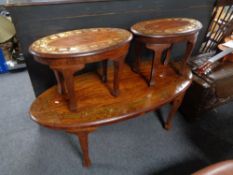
175,105
83,139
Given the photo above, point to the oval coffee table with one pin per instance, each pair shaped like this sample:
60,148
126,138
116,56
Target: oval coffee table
98,108
68,52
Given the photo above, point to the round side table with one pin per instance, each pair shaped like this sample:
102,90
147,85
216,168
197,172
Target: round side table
68,52
160,35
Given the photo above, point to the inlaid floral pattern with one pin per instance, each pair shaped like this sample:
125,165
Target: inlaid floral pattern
166,26
80,41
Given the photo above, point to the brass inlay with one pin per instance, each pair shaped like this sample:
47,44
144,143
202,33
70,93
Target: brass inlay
80,41
166,26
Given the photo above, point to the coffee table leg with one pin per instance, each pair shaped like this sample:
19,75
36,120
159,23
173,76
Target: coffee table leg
69,82
83,139
175,105
118,64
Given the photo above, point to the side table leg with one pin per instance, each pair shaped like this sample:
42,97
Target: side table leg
189,49
69,82
118,64
175,105
138,52
168,55
156,62
60,82
83,139
158,51
105,71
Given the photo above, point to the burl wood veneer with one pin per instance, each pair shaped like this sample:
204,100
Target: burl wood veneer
69,52
98,108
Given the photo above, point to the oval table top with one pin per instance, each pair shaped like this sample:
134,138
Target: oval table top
166,27
96,106
80,42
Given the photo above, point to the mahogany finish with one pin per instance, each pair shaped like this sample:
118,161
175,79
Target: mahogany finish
97,107
68,52
160,35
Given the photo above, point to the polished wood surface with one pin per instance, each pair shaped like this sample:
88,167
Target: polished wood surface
166,27
80,42
97,107
160,36
69,52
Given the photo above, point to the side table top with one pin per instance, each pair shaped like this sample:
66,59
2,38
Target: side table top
98,107
166,27
82,42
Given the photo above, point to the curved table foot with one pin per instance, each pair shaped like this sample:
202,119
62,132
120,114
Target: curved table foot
175,105
83,140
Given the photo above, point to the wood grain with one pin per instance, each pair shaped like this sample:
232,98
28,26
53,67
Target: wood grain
97,107
68,52
82,42
160,35
166,27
